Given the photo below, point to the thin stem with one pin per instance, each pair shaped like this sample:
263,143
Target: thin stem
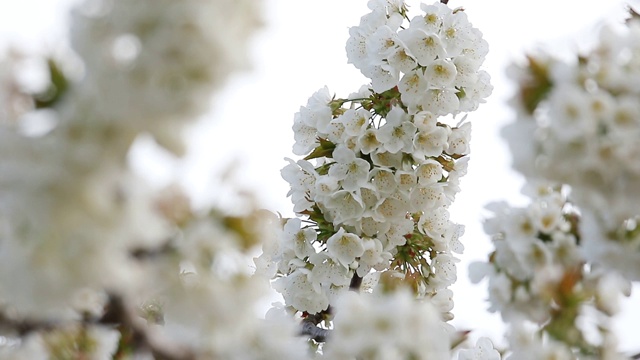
356,281
313,331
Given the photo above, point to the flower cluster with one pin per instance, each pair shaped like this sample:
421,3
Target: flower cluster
434,60
397,327
381,168
169,64
538,279
578,124
93,262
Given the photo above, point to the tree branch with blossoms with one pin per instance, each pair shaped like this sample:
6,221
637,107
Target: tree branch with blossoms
573,251
380,169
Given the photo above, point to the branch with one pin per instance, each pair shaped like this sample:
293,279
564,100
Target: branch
23,327
356,281
118,313
310,323
311,329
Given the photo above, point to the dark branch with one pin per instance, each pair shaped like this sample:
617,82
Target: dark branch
310,326
22,327
116,314
313,331
356,281
444,1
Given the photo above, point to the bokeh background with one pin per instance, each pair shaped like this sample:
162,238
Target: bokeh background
247,134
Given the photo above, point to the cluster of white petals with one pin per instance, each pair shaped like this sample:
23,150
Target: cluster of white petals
578,123
390,326
84,242
372,193
537,278
169,56
434,60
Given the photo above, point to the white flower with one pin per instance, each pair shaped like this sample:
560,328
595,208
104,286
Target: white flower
373,256
425,46
441,101
391,208
383,76
368,141
298,291
483,350
431,143
364,324
327,271
317,113
345,206
345,247
299,240
440,73
434,221
429,172
459,138
444,271
383,180
395,235
609,291
301,175
355,121
429,199
397,134
306,136
352,172
412,87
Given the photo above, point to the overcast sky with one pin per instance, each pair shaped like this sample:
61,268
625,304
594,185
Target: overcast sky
301,49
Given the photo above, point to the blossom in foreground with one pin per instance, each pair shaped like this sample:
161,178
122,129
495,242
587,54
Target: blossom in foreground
93,262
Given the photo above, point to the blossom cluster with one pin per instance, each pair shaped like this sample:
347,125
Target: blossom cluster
397,327
539,283
379,172
379,175
94,262
577,124
434,60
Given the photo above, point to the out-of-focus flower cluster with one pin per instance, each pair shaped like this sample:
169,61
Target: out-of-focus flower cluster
538,279
578,123
397,327
93,262
380,170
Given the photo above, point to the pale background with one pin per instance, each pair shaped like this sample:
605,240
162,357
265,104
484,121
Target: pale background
299,50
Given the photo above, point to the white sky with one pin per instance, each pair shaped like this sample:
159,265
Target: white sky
301,49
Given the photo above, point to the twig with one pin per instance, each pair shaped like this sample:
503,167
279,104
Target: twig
25,326
313,331
116,314
310,326
356,281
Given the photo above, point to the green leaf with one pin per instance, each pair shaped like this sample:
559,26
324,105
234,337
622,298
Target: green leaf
57,88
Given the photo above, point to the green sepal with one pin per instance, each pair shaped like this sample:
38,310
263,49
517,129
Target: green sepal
325,149
56,89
